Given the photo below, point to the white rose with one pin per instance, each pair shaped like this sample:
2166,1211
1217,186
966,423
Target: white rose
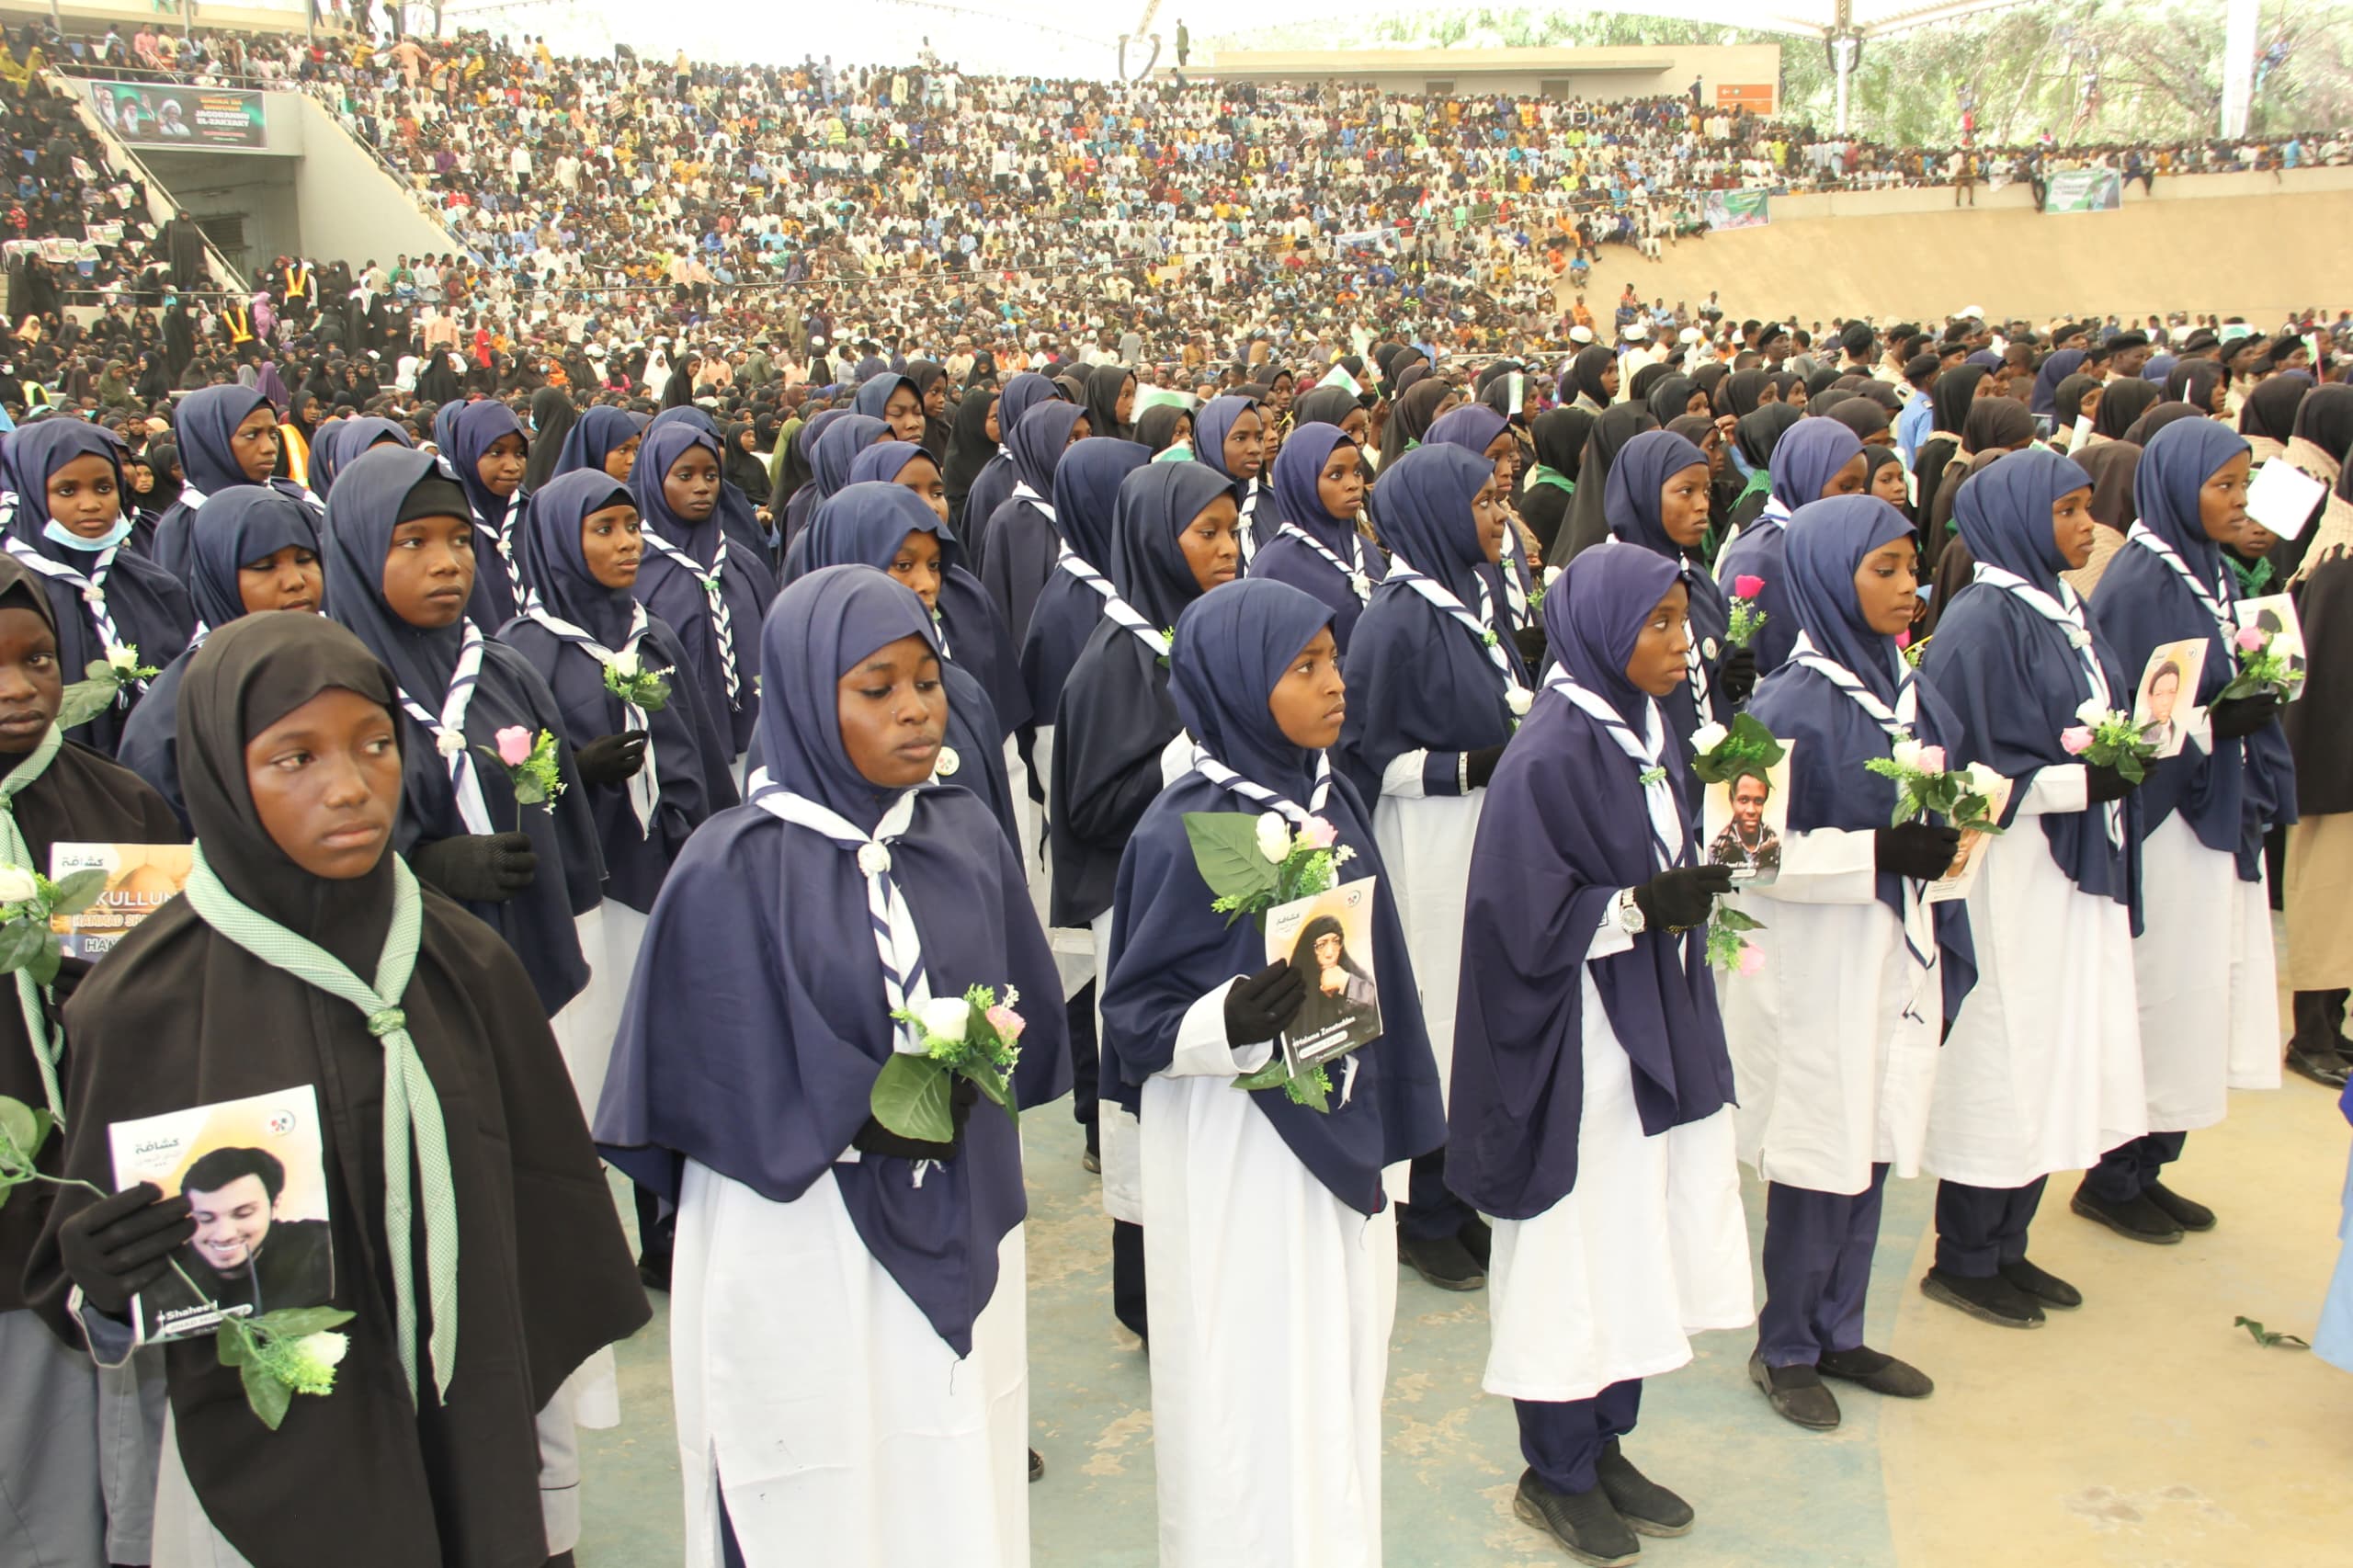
17,885
947,763
122,656
449,743
944,1018
1905,752
1983,780
625,664
2091,710
1706,738
1274,837
1517,698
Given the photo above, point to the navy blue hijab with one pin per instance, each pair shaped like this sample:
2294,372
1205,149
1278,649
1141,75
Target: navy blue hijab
1023,541
1298,467
538,922
763,933
478,428
594,435
1211,427
249,523
2012,676
345,439
667,591
202,426
1565,826
1419,679
148,607
1087,490
997,476
736,513
1474,426
1116,714
1805,461
1631,500
834,450
689,755
1828,542
2232,791
1169,948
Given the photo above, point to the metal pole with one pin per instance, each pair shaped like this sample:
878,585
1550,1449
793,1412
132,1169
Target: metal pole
2239,65
1845,76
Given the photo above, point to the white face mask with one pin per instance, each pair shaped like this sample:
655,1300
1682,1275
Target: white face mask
53,529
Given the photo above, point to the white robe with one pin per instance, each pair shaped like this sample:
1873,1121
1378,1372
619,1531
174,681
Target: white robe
2209,990
1271,1303
609,934
2042,1069
1650,1247
1831,1075
1425,843
842,1427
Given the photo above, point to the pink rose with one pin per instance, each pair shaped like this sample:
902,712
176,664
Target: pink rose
1318,833
1752,959
1930,760
2076,741
2251,639
1007,1023
514,745
1748,587
1904,639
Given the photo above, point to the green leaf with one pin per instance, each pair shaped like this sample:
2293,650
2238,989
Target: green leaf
21,943
23,1128
910,1098
2269,1340
296,1323
1732,919
1225,852
99,669
994,1088
1311,1090
83,701
1273,1075
268,1396
230,1343
78,891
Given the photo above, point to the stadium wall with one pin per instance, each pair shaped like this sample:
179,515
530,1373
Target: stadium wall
1749,74
2229,243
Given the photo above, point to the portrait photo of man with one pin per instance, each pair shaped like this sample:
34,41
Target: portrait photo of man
244,1253
1748,843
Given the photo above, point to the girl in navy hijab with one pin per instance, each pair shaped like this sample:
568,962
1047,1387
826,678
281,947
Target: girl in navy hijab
695,581
70,527
833,451
998,476
745,523
1261,1210
1818,459
1023,537
2206,978
1439,687
888,527
654,775
898,1264
1835,1035
1086,491
1475,428
227,436
257,550
1320,489
488,448
1591,1093
1230,436
1173,539
345,439
604,437
1658,497
400,568
2042,1069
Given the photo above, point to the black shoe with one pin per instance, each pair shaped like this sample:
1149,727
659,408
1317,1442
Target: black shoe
2135,1219
653,1273
1585,1522
1091,1163
1875,1371
1642,1503
1993,1301
2328,1069
1445,1262
2182,1211
1478,1239
2042,1286
1036,1467
1796,1394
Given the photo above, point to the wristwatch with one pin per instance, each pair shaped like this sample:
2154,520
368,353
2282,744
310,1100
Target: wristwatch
1629,914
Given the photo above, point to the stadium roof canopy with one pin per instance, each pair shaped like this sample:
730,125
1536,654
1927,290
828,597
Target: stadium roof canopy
1813,18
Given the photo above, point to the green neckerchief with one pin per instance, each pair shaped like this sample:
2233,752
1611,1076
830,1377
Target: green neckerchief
1760,483
1539,474
412,1108
15,853
2253,580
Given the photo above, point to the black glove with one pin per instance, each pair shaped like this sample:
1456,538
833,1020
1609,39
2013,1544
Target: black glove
1915,850
2238,717
120,1246
477,867
1478,767
1530,641
1674,901
1736,676
1262,1007
2102,783
610,760
876,1138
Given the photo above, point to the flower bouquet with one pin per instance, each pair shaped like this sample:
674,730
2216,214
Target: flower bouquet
2261,672
530,762
1746,619
106,682
1719,753
278,1355
1963,797
627,678
973,1036
2107,738
28,899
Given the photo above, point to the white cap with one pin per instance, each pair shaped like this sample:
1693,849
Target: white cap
1977,311
1634,332
1580,335
1691,335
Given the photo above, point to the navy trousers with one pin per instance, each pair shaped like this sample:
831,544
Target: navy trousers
2125,1172
1980,1228
2320,1022
1563,1440
1818,1249
1430,1210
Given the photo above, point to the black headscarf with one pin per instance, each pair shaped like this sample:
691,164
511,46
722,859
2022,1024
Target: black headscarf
2122,400
1587,370
969,447
1738,393
1956,389
1104,383
1156,425
1588,525
2271,408
552,417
